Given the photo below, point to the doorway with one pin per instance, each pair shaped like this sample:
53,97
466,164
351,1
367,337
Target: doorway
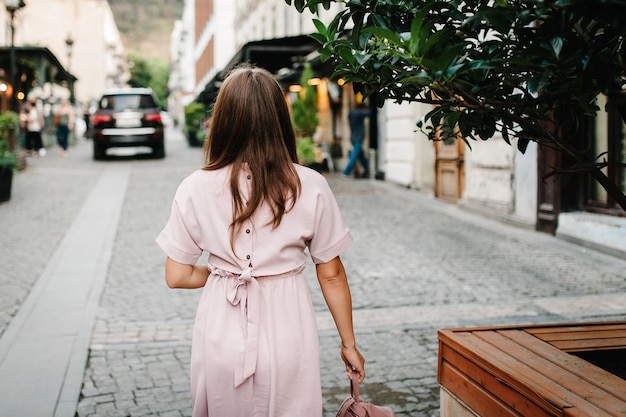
449,169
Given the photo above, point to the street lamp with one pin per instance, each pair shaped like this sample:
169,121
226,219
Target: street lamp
69,44
12,6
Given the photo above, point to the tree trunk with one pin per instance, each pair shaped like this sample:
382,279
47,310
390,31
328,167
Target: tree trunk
611,188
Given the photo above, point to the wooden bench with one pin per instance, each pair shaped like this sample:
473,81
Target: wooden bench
529,371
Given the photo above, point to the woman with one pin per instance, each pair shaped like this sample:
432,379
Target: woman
255,210
64,120
34,124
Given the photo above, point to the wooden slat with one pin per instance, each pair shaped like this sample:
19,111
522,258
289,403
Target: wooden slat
518,375
572,328
479,400
547,328
543,364
463,373
587,345
582,335
573,364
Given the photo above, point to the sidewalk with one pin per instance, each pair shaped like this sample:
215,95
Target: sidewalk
88,327
43,352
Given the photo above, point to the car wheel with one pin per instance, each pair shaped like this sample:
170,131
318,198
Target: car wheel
159,151
99,151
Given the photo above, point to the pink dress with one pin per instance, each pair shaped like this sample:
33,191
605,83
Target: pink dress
255,346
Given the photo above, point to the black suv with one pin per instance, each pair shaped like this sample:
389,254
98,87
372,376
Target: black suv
127,117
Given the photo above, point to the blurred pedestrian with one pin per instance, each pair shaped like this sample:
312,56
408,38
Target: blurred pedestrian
357,117
23,119
86,117
64,122
255,211
34,124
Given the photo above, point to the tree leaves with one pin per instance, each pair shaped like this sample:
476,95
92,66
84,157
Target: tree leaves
507,66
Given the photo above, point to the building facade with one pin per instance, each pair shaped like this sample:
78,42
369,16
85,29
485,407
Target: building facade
489,177
495,179
84,37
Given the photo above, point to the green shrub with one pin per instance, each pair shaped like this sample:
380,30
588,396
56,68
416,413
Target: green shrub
8,120
305,118
194,117
8,160
305,148
195,114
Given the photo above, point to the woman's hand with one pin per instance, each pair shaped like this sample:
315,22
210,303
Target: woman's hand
354,361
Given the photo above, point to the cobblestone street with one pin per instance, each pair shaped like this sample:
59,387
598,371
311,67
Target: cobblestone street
417,265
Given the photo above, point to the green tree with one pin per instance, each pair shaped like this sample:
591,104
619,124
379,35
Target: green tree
139,72
151,72
531,70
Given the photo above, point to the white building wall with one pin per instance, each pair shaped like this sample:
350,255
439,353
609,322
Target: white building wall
220,29
5,34
225,29
97,58
187,67
400,161
176,97
115,67
497,175
182,78
268,19
525,183
409,157
488,174
502,179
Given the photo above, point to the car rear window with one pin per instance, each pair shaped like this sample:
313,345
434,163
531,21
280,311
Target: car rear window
127,101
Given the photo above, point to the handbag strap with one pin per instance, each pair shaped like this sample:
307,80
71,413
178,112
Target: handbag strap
354,385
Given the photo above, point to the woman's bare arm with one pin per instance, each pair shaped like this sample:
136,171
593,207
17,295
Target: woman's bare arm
179,275
334,284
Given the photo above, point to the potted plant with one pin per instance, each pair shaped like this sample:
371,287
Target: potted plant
195,115
9,122
305,148
8,164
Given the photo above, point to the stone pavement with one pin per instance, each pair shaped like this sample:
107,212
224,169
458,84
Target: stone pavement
417,265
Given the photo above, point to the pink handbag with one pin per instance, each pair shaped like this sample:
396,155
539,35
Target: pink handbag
355,406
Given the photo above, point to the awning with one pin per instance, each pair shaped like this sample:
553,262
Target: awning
275,55
35,66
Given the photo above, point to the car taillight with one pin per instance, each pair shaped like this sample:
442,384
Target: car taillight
153,117
101,118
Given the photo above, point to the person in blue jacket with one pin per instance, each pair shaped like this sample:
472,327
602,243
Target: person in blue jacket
357,117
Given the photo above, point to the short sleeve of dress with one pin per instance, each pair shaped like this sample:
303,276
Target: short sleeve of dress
331,235
177,237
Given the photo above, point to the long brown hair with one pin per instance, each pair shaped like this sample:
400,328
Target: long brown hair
251,124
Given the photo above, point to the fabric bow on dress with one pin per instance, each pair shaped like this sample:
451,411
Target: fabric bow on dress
246,294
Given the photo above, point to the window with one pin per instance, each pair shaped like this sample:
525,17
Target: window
127,101
609,141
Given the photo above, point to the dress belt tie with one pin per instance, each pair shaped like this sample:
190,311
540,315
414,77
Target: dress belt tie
246,293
